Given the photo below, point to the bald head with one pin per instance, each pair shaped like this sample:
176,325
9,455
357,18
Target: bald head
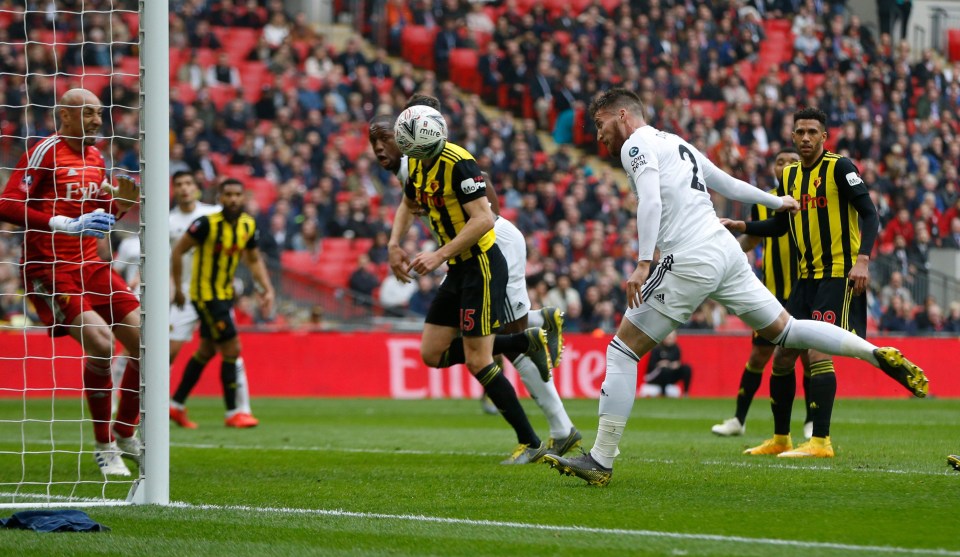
80,117
79,97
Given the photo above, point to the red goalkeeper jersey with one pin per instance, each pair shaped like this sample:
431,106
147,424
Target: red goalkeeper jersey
53,179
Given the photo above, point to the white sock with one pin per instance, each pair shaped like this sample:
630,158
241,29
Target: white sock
535,319
117,368
243,388
605,448
617,394
826,338
546,396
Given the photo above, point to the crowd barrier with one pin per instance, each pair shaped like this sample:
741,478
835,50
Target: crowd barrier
329,364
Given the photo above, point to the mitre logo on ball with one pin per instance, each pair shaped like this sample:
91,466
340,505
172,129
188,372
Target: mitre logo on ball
421,132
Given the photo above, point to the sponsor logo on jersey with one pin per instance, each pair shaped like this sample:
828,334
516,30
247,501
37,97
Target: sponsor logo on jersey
638,162
659,297
812,202
472,185
633,151
853,179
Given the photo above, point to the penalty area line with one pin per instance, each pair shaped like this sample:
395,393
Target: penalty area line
340,513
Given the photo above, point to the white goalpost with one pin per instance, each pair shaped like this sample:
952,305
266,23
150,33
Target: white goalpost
47,450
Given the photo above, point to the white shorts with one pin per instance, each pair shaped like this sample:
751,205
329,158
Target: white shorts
183,322
715,269
514,248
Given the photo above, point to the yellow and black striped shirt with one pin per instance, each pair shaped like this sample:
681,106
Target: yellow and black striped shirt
779,258
218,253
443,189
826,229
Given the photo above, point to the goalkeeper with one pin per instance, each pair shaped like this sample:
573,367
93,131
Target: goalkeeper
60,193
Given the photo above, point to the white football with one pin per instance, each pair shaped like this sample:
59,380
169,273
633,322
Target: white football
421,132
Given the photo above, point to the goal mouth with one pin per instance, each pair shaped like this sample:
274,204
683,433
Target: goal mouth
72,130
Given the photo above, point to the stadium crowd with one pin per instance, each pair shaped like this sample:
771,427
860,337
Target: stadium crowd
259,94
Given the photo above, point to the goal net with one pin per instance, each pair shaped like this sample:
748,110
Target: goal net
53,381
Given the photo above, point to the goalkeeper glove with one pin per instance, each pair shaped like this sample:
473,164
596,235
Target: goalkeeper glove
95,224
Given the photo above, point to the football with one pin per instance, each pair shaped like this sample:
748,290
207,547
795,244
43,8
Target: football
421,132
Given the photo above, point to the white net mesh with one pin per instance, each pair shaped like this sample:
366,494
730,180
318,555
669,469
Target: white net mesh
47,432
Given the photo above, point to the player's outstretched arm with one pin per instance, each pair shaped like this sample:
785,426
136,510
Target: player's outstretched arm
398,258
738,190
182,246
258,269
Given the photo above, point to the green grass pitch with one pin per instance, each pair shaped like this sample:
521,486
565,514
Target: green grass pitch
383,477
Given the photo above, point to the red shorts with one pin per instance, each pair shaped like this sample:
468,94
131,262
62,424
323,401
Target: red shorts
63,291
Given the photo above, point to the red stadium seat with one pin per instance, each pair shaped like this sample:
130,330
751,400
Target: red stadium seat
205,57
463,69
417,45
953,44
361,245
384,86
338,247
301,261
814,81
263,190
187,94
238,171
132,19
712,110
220,95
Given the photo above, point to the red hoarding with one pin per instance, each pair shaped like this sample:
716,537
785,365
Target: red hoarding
330,364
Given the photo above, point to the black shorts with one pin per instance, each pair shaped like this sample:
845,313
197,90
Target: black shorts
830,300
216,320
472,295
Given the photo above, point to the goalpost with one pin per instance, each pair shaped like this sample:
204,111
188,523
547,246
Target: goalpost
46,440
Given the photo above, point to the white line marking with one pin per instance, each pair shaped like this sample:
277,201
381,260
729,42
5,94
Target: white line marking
755,463
576,529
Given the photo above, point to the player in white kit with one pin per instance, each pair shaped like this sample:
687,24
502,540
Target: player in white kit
698,259
184,320
563,435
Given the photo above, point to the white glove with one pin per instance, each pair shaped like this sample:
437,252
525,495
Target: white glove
95,224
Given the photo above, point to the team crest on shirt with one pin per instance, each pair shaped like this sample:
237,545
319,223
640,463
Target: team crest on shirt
817,183
853,179
26,183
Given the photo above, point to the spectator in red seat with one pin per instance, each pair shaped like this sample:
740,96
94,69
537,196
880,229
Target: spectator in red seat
223,73
225,14
363,281
202,36
251,15
530,218
352,58
919,251
275,32
952,239
896,318
445,41
308,238
952,324
901,226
